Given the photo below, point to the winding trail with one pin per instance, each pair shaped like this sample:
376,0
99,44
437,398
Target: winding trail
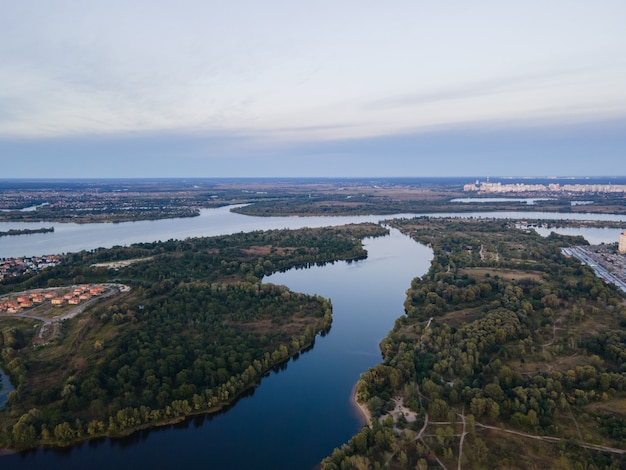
420,435
552,439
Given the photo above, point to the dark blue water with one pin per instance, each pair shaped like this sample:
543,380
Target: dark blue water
296,416
5,388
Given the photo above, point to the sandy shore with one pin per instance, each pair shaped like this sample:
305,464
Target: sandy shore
365,413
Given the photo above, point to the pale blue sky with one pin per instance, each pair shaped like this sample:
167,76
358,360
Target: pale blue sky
325,88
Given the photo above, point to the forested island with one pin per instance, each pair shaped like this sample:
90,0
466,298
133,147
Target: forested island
547,223
26,231
196,329
415,200
506,345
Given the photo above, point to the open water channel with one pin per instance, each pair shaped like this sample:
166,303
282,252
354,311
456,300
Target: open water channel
298,414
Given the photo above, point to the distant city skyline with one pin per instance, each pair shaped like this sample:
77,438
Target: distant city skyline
330,89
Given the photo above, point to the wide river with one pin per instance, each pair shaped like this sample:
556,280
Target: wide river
297,415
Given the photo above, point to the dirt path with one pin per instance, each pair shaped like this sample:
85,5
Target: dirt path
463,433
554,328
585,445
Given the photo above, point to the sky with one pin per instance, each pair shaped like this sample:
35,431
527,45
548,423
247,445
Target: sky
152,88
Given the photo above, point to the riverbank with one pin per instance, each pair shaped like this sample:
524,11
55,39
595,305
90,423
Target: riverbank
363,411
218,408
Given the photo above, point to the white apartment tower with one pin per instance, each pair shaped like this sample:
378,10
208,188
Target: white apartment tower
621,248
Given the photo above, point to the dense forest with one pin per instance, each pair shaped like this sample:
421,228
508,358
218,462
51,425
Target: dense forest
510,355
196,329
369,202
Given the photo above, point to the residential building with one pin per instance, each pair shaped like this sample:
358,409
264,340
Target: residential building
621,248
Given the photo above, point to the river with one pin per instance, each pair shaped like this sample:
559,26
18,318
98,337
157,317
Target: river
296,416
70,237
5,388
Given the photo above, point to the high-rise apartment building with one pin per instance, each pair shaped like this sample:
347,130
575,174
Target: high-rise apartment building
622,243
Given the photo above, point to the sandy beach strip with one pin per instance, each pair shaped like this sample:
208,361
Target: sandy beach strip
365,413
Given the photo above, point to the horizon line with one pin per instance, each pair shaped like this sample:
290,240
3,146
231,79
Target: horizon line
101,178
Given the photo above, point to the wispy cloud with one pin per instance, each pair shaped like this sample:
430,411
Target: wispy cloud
213,81
543,80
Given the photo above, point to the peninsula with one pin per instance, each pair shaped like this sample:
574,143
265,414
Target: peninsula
194,330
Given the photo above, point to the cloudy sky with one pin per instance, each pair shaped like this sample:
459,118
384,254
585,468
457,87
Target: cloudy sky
157,88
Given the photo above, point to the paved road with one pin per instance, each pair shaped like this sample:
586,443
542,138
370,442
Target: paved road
586,257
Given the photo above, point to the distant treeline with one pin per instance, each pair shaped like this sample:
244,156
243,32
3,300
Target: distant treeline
26,231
